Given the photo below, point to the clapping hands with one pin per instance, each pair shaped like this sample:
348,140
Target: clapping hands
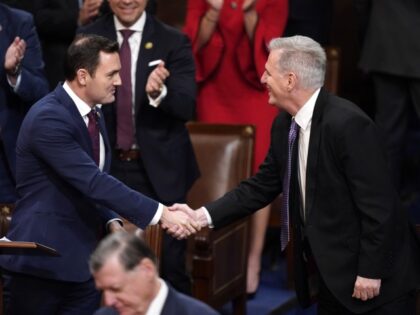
14,56
181,221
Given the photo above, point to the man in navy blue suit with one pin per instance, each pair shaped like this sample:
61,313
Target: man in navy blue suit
22,83
125,270
65,194
159,161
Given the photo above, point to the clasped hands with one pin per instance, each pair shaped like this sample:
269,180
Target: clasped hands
180,221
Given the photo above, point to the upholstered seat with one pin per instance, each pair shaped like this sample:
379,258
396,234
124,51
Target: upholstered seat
219,257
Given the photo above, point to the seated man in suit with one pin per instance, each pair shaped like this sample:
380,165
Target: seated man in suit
65,194
125,270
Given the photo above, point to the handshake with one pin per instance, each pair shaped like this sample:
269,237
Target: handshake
180,221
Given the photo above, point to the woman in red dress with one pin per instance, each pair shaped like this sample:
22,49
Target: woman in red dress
230,39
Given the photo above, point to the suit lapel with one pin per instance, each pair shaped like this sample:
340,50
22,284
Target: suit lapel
146,54
77,118
104,134
313,151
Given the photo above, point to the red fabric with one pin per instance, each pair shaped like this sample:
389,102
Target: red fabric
229,67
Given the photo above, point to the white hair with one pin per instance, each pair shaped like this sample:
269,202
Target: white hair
302,56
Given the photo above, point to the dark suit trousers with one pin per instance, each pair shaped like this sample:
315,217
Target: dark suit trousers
24,294
328,304
173,262
394,96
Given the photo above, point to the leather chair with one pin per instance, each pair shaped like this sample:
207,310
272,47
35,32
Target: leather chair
219,257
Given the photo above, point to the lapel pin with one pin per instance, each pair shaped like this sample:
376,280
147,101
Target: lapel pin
148,45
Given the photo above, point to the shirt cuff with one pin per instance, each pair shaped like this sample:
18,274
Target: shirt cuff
208,217
158,215
112,220
16,86
156,102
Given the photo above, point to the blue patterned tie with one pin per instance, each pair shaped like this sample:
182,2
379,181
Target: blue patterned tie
284,211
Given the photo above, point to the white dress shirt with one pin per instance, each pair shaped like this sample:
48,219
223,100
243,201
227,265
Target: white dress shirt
304,119
84,109
158,302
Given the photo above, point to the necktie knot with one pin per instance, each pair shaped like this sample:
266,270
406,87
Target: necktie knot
93,115
294,128
126,33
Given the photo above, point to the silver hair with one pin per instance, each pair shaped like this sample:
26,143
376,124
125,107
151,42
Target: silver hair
129,248
302,56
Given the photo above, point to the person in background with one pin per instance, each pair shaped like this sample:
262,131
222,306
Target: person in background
230,41
125,271
353,245
65,194
56,22
390,56
22,83
310,18
152,151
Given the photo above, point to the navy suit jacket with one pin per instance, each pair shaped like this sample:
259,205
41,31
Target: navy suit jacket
354,222
163,139
176,303
14,104
64,197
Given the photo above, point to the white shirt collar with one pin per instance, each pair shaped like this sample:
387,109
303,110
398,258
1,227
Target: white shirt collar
159,301
304,115
137,27
81,105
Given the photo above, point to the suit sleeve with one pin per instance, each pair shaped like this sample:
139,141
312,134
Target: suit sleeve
252,194
33,83
181,85
375,199
54,143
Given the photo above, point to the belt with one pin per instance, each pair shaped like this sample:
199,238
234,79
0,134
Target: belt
127,155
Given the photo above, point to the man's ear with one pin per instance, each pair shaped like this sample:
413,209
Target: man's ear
82,75
147,265
291,81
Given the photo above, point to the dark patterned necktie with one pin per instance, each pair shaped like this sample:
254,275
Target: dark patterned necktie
284,212
125,128
93,128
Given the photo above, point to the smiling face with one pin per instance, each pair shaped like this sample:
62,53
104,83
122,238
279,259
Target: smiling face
128,11
101,85
277,82
129,292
